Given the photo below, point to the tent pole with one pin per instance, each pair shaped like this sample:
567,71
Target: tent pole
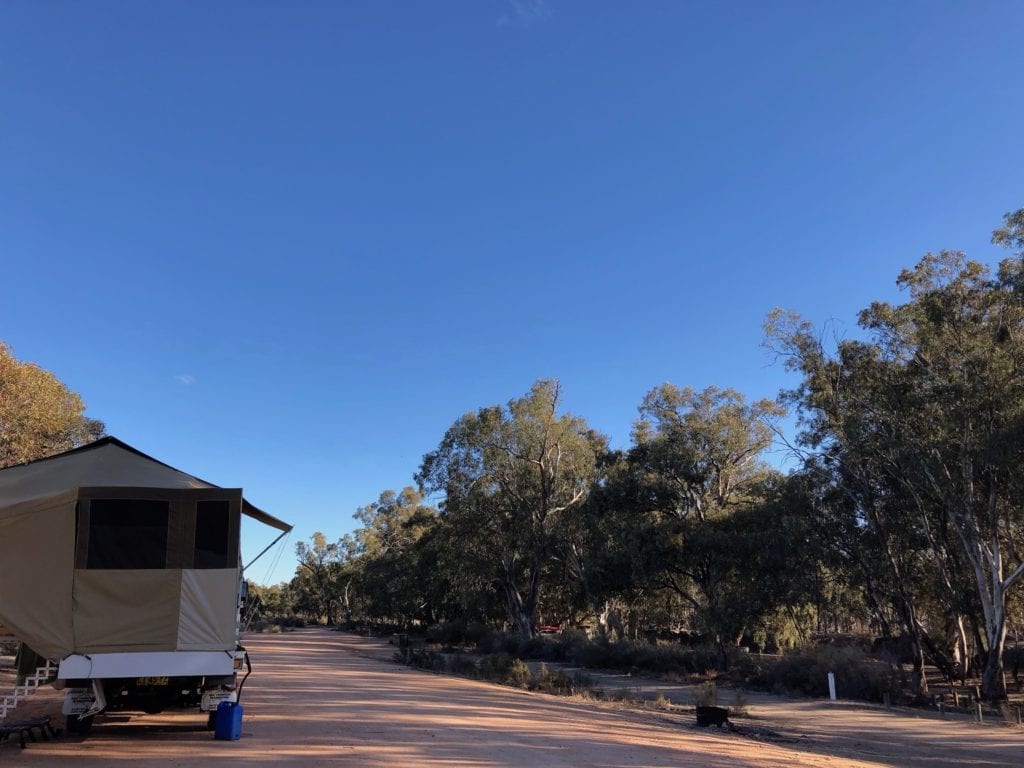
265,550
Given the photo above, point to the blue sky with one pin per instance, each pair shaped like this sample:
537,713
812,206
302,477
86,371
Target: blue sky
283,246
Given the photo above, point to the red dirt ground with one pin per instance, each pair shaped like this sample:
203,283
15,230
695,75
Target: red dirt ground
321,698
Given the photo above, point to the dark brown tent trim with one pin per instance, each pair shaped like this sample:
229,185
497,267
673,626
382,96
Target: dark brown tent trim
249,510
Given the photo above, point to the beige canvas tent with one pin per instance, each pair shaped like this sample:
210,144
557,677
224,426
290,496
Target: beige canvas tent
105,550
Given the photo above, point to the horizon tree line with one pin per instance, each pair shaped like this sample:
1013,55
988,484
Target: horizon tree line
903,519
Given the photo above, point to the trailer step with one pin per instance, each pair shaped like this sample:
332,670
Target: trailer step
32,682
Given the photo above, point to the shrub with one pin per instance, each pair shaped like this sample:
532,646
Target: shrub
805,673
503,669
624,695
739,704
534,648
424,658
448,633
461,664
705,694
749,668
277,624
479,635
518,675
663,658
567,645
557,682
495,667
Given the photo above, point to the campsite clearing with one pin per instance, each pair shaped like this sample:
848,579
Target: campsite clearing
321,698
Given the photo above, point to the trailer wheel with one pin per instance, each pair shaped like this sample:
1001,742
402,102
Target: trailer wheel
78,726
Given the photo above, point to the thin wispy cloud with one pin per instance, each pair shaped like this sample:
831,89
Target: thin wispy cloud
523,13
185,379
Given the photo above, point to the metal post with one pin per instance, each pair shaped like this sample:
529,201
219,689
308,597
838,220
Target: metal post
979,711
831,686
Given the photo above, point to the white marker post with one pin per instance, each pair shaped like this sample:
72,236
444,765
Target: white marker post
831,686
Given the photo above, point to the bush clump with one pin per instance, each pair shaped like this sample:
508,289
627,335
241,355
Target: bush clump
805,673
277,624
449,633
461,664
705,694
504,669
660,658
495,667
501,668
556,681
503,657
424,658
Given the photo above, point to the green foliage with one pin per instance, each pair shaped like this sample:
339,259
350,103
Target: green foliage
518,675
574,648
905,518
567,645
461,632
805,673
462,664
556,681
643,657
425,658
390,558
918,431
316,582
271,606
496,667
504,669
1011,234
39,416
508,475
696,465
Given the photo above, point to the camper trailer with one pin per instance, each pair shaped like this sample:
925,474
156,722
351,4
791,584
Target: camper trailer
125,574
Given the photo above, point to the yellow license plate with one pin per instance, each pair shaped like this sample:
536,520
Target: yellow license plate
151,681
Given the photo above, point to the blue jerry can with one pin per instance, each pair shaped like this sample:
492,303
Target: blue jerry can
228,723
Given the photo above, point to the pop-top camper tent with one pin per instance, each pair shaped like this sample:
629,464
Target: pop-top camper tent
108,556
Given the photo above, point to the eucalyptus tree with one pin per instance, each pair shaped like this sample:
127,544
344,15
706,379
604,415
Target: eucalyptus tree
597,541
386,559
39,416
320,562
960,339
923,424
508,474
698,458
848,405
787,584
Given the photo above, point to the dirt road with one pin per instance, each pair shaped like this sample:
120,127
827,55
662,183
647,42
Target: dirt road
319,698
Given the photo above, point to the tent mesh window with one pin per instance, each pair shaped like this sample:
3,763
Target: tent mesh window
213,526
127,534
